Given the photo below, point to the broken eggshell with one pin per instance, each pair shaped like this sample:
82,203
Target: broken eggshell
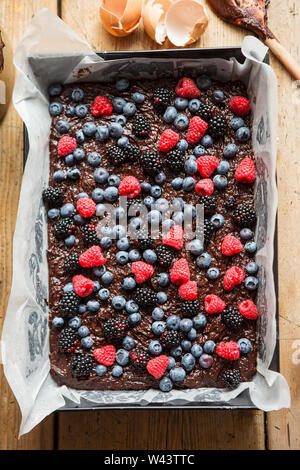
120,17
186,21
154,19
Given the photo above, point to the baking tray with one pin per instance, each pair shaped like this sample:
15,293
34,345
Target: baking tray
243,401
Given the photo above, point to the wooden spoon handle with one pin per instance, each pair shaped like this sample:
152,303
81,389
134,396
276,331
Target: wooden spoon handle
285,57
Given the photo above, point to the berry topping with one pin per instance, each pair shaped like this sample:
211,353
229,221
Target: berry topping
81,365
188,291
101,107
168,140
66,146
115,328
83,286
53,196
245,172
144,297
86,207
228,350
67,340
141,126
92,257
158,366
233,277
180,273
231,378
105,355
232,318
248,309
204,187
187,88
213,304
239,105
129,187
142,271
207,165
139,358
174,237
197,129
231,246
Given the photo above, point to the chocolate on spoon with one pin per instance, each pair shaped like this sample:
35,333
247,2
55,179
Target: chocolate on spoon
252,15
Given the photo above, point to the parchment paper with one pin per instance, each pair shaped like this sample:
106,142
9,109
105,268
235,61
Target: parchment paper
51,52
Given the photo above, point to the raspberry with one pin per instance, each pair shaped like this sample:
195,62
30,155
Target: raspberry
232,318
101,107
53,196
205,187
67,340
168,140
207,164
213,304
240,105
142,271
188,291
81,365
174,237
92,257
245,172
129,187
229,350
231,246
66,146
187,88
158,366
233,277
180,273
231,378
139,358
105,355
197,129
115,328
86,207
83,286
248,309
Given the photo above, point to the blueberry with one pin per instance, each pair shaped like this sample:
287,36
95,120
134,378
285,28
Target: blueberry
246,234
195,247
196,350
160,178
158,314
155,348
70,111
69,160
251,283
163,279
100,208
162,205
122,84
145,187
119,213
134,255
135,223
206,361
83,331
181,122
70,241
243,134
118,302
73,174
245,345
220,181
107,278
182,145
53,214
119,231
59,176
203,82
128,283
97,195
123,244
79,154
115,130
55,89
121,120
81,195
199,321
252,267
94,159
173,322
207,141
134,319
68,287
104,294
96,286
212,274
218,96
81,111
149,201
203,261
87,342
123,142
177,204
186,324
158,327
177,374
167,224
172,363
102,133
89,129
192,334
177,183
217,220
58,322
188,184
129,109
194,105
150,256
230,151
165,384
154,217
55,109
101,175
93,306
138,98
122,357
190,211
131,306
236,123
111,194
77,95
128,343
223,167
100,370
82,309
117,371
176,351
186,345
190,166
181,103
250,247
209,347
178,218
106,231
155,191
99,271
199,151
75,323
67,210
188,362
118,104
170,114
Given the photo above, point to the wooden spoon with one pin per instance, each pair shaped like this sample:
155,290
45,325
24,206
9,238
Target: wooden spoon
252,15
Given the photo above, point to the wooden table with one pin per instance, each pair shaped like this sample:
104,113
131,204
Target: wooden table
174,429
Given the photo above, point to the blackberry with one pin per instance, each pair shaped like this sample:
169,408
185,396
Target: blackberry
89,234
171,338
244,216
165,256
115,328
132,152
67,340
230,203
71,264
151,162
217,127
232,318
209,203
53,196
144,297
205,232
141,126
136,205
205,112
231,378
69,304
144,242
116,155
81,365
64,228
139,358
161,98
175,161
190,308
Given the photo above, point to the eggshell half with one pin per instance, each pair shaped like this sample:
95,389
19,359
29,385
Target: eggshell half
120,17
154,19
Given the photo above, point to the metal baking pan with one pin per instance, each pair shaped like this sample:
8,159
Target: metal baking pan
243,401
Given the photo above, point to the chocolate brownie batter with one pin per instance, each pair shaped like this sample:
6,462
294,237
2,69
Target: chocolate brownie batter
215,330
